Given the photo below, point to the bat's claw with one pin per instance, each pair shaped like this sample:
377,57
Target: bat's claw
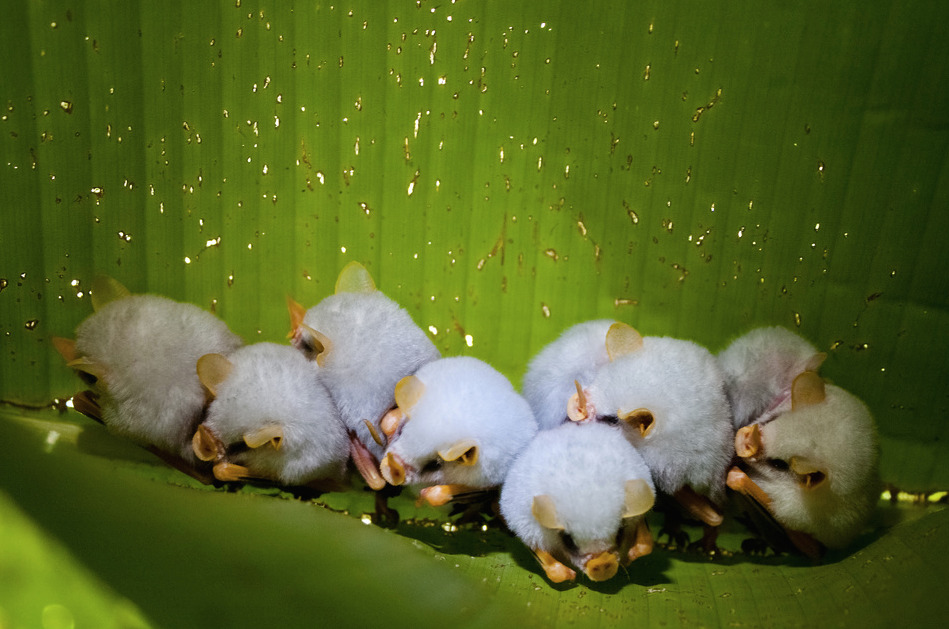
365,463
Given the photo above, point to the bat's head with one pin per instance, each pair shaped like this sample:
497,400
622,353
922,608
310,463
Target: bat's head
668,397
459,421
363,343
270,418
816,459
96,331
579,493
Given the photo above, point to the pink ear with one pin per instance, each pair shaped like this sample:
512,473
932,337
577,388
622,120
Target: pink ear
814,362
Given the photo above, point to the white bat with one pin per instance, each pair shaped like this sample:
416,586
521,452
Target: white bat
364,344
668,395
555,372
458,427
577,495
808,450
138,353
270,418
759,368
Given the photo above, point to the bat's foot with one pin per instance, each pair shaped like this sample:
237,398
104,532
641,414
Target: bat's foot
709,542
698,506
642,544
385,516
555,571
365,463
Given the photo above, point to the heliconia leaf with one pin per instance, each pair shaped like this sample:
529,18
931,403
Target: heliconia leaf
502,170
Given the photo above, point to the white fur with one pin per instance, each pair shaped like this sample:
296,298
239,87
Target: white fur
680,383
759,368
584,469
148,346
839,437
551,375
464,399
375,343
274,384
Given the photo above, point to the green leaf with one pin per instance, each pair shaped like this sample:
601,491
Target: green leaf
503,169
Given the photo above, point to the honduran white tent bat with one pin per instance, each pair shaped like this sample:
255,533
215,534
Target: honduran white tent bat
270,418
554,374
138,353
810,455
364,343
668,395
458,427
759,368
576,496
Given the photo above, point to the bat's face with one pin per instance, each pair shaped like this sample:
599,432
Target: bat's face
593,538
270,418
459,422
816,460
668,397
577,495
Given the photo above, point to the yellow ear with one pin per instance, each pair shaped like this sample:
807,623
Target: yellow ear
106,289
807,390
408,392
316,346
65,347
641,418
297,312
205,444
639,498
354,278
622,339
213,369
85,365
271,433
545,512
810,475
465,452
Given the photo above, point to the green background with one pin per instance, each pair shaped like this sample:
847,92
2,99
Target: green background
503,169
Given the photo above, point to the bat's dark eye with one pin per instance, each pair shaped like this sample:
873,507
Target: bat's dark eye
778,464
88,378
238,447
610,420
568,542
432,466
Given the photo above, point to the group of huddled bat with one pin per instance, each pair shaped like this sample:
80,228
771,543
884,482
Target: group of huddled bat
608,420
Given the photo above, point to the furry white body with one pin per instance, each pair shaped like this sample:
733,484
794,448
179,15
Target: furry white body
759,368
375,343
147,347
553,373
275,385
465,400
584,469
836,437
833,438
681,385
